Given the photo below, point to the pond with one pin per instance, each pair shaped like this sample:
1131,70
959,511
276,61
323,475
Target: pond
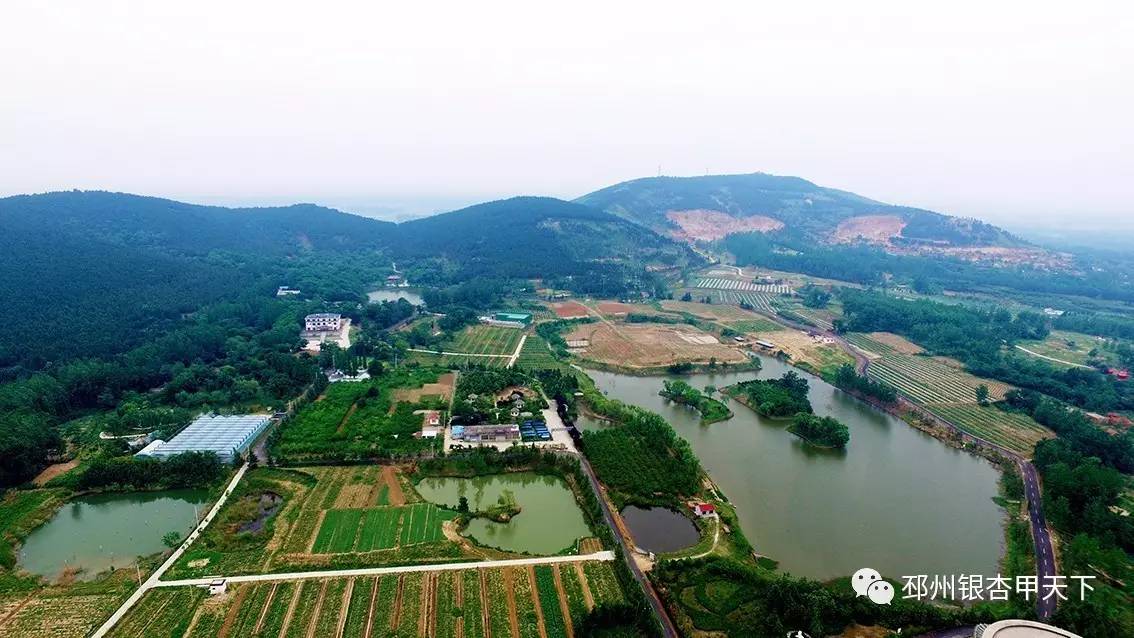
549,520
394,294
659,530
94,533
897,500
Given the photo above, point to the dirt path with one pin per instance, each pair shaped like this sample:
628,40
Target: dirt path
230,617
264,611
346,418
396,617
344,608
427,620
370,611
459,602
513,619
587,597
535,601
1034,354
318,609
290,610
484,609
390,475
51,471
564,608
12,614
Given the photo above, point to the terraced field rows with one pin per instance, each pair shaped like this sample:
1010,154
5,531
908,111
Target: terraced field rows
929,381
720,283
759,301
1016,432
485,340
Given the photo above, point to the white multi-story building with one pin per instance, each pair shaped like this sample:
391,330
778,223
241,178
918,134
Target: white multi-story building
324,322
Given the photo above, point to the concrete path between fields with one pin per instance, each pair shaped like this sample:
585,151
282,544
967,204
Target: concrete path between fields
403,569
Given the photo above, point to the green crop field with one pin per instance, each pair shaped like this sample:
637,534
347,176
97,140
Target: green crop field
927,381
450,361
359,420
482,339
364,530
951,394
391,605
536,355
755,325
1016,432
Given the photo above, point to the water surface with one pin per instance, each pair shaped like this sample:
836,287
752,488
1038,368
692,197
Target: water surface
549,521
659,530
394,294
94,533
896,500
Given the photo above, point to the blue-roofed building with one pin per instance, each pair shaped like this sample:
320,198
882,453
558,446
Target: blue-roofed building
227,435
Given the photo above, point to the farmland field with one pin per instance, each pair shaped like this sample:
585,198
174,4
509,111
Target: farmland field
536,355
1074,348
360,420
411,605
339,516
652,345
949,393
364,530
482,339
923,379
57,612
1016,432
450,361
161,611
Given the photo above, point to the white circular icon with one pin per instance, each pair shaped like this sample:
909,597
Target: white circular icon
863,579
881,592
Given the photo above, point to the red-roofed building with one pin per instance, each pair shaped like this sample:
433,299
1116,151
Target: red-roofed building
705,510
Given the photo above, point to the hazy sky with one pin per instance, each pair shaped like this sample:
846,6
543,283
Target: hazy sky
1000,110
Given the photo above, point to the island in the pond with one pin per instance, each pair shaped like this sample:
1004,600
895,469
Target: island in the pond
822,431
774,398
711,410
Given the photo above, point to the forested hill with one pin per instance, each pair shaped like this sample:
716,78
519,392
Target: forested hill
535,237
151,222
92,273
95,273
805,209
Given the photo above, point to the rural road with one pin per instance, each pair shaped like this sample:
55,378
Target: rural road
155,578
668,630
403,569
1045,559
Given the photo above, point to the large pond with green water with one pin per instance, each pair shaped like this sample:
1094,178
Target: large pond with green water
549,520
394,294
897,500
97,532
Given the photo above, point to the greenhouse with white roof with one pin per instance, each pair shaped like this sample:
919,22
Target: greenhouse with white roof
227,435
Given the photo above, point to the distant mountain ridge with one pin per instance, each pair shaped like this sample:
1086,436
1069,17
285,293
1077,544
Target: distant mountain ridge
690,208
